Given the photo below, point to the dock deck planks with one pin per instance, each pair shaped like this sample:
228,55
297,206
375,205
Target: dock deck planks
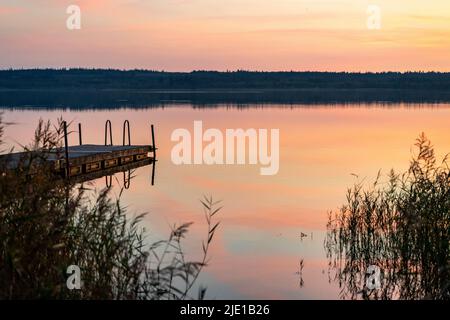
85,158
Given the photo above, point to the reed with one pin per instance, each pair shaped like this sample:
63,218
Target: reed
47,225
402,226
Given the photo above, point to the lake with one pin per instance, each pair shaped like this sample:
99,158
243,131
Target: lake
256,252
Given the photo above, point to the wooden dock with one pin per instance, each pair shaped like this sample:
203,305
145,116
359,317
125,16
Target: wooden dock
89,158
86,158
86,161
128,167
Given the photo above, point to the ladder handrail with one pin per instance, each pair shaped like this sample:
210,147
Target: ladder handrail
126,123
108,182
110,133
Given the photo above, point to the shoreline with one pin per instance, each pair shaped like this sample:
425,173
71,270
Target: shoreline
96,98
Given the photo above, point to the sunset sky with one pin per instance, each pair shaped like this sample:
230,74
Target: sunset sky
185,35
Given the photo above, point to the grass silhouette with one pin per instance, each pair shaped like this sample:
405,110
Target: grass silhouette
48,224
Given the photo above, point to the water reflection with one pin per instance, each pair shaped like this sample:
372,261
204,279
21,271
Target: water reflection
126,170
402,227
243,98
256,253
128,175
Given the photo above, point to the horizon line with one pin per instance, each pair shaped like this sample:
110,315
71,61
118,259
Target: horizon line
215,71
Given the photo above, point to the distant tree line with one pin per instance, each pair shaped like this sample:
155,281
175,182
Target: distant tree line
147,79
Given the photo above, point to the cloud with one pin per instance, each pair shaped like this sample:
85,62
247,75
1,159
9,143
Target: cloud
8,10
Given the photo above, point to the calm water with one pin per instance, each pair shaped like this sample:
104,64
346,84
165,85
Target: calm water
257,250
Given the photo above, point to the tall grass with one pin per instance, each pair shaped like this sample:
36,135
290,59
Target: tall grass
48,224
401,226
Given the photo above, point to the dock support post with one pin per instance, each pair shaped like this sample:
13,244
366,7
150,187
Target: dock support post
153,142
153,172
66,149
154,154
79,134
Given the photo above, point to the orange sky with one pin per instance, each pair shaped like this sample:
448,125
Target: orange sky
183,35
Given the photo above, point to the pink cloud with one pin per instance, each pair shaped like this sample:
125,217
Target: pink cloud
6,10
